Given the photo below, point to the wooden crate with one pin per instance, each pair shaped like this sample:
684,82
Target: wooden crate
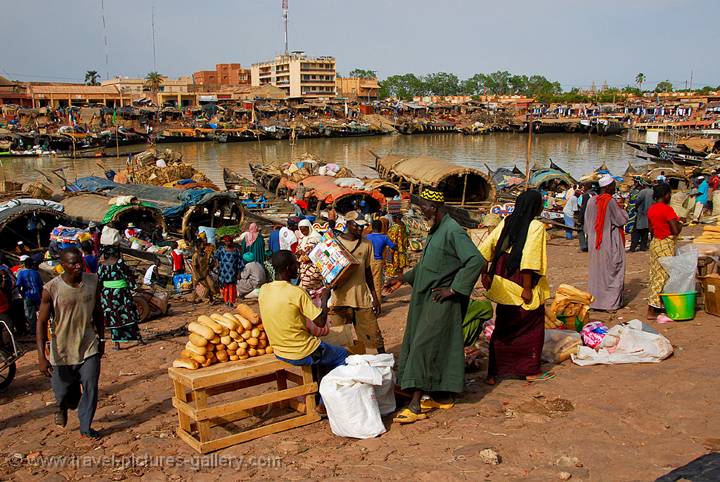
197,416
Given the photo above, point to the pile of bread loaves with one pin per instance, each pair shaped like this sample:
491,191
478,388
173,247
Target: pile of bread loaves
220,338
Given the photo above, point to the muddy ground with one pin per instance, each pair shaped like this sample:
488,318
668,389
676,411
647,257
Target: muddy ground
628,422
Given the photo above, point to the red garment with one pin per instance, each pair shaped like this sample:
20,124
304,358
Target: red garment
714,182
178,261
603,201
229,293
4,304
659,217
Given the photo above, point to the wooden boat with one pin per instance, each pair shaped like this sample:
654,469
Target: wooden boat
14,217
86,207
462,185
183,211
237,135
237,183
184,135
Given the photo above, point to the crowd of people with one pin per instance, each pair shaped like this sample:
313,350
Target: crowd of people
309,323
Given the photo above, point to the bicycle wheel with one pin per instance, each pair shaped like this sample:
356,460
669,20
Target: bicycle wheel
8,373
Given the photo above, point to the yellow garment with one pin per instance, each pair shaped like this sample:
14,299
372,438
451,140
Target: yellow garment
506,292
283,309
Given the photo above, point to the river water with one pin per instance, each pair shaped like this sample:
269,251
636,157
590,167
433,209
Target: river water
576,153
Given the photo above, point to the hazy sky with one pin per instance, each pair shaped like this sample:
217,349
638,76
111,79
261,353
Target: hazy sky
574,42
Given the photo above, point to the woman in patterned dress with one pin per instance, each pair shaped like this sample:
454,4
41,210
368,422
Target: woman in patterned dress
229,259
310,277
396,259
117,282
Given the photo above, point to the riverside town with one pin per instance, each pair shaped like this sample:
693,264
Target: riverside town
307,240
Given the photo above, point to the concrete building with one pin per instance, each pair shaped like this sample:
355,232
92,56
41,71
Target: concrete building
224,75
65,95
14,93
172,91
357,88
298,75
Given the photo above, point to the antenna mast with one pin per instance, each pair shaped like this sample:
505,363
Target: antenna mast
107,55
285,22
152,21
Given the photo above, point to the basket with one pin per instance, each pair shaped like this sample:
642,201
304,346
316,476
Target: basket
680,306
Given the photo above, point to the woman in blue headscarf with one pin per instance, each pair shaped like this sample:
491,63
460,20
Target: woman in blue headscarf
252,276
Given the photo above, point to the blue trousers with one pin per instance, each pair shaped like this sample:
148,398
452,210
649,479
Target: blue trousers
569,222
326,356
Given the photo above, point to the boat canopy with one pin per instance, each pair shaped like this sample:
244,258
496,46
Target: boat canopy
462,185
542,178
18,215
328,193
92,207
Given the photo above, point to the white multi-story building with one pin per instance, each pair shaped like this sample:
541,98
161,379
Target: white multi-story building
297,74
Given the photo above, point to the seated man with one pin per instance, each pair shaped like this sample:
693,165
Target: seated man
251,277
284,308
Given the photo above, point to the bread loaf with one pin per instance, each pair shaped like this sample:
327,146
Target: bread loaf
268,350
200,350
207,321
186,363
197,340
253,341
200,329
248,313
245,323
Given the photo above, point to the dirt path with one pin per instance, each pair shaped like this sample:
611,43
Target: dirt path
632,422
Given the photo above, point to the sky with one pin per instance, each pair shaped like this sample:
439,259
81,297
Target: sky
575,42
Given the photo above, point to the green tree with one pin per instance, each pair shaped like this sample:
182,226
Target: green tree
363,73
664,86
92,77
474,85
153,81
639,80
441,83
404,87
498,83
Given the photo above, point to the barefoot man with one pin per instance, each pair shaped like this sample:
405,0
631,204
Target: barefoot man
432,360
77,342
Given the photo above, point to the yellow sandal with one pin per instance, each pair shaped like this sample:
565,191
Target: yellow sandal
406,415
427,404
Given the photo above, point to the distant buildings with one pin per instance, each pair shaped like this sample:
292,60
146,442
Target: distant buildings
357,88
224,76
298,75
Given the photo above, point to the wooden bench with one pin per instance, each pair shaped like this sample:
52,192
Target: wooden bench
198,418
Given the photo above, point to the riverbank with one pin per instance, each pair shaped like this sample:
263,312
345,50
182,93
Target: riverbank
628,422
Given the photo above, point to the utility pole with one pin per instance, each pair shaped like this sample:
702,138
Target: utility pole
152,22
285,22
691,79
107,55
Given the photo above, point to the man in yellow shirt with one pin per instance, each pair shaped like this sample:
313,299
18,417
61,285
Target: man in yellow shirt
284,309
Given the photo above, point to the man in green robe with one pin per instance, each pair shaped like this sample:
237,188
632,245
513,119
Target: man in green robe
432,358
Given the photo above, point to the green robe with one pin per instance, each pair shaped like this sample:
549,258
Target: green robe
432,357
257,248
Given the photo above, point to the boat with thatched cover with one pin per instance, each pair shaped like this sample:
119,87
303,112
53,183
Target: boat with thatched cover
86,207
183,210
238,183
17,215
463,186
324,193
549,179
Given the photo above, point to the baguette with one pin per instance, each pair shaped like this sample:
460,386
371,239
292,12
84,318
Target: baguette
253,341
262,343
186,363
199,350
197,340
248,313
252,352
207,321
222,356
233,346
227,323
234,335
215,340
234,358
255,333
269,350
244,322
244,345
215,316
226,340
260,351
241,351
245,335
200,329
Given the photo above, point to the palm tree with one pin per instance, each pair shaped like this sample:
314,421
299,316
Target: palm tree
639,79
153,81
91,77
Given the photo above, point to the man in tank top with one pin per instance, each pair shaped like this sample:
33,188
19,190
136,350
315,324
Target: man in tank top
76,340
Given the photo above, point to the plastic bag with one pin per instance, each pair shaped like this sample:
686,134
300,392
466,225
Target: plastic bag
593,333
630,342
348,393
385,393
681,268
559,345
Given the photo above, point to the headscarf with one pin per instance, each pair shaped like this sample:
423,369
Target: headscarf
251,234
313,237
249,257
515,230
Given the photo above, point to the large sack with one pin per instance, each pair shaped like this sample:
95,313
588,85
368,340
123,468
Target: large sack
385,393
348,393
630,342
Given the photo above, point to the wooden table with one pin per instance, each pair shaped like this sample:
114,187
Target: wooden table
197,417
